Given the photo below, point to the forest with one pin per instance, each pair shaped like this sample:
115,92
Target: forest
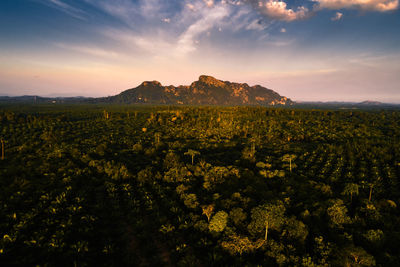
142,185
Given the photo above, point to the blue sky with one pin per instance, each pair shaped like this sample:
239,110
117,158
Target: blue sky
344,50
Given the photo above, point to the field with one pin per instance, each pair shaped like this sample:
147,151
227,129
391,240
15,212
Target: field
198,186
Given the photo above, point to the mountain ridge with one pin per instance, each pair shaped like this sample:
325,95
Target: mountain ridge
207,90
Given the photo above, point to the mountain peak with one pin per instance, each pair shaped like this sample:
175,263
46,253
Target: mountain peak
209,80
371,103
151,83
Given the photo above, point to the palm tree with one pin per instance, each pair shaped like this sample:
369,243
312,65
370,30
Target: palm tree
208,210
2,149
350,189
371,186
289,158
106,115
192,153
157,137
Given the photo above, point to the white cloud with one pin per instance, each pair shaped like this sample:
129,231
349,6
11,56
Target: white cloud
233,2
130,11
190,6
151,8
155,45
279,10
159,42
338,16
240,19
209,19
123,10
89,50
66,8
256,24
364,5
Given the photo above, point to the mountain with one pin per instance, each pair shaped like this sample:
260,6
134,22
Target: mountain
371,103
365,105
206,91
33,99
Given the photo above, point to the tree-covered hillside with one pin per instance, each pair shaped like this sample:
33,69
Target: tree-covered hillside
109,185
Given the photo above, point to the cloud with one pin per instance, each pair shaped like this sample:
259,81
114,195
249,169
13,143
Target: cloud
241,19
66,8
189,26
279,10
209,19
190,6
209,3
130,43
153,38
123,10
151,8
338,16
256,24
283,30
364,5
133,13
89,50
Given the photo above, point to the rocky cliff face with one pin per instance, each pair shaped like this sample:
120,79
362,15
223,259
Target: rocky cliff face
206,91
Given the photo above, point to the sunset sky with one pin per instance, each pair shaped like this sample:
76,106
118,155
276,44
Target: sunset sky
307,50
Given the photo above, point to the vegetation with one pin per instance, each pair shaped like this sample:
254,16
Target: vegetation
198,186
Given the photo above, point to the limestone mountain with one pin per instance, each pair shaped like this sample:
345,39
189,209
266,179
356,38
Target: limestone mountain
206,91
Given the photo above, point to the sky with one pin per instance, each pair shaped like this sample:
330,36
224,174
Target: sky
307,50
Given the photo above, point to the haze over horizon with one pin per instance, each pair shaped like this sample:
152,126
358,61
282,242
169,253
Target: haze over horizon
307,50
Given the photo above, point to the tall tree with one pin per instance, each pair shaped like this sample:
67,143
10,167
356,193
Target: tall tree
265,217
192,153
289,158
350,189
2,149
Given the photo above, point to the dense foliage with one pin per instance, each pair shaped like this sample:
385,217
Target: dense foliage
199,186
